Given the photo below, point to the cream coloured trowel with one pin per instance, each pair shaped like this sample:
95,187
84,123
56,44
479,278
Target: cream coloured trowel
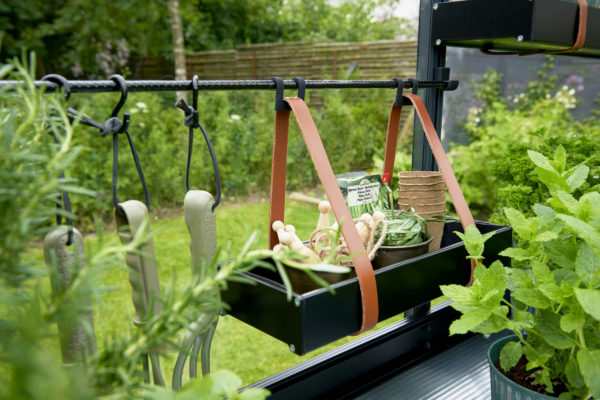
131,218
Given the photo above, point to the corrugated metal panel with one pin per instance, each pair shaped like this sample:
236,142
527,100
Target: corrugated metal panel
459,373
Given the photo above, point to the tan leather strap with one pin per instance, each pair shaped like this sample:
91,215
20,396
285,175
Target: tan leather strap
579,40
458,199
362,264
278,172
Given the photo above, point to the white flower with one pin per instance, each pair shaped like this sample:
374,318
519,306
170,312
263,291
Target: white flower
140,105
235,117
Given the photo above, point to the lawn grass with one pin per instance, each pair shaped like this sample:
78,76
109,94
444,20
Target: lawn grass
237,346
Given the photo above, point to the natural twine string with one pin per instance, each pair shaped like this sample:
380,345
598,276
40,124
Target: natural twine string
320,238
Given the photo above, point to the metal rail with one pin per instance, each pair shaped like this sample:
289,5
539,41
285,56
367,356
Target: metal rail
95,86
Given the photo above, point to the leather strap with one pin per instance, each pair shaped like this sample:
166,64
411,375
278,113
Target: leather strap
362,264
579,40
458,199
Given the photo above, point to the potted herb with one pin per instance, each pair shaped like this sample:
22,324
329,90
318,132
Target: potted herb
554,282
406,237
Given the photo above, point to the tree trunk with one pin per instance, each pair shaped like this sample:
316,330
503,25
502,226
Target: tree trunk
178,43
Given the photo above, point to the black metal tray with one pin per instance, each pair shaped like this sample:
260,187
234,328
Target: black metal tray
514,25
316,318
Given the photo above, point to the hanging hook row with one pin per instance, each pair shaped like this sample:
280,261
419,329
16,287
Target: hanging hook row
192,121
116,126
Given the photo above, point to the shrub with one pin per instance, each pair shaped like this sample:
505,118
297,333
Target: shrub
493,169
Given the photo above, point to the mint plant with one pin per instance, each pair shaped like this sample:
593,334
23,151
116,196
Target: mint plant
554,283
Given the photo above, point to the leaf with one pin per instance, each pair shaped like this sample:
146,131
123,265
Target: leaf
584,231
510,355
589,366
516,253
469,321
568,202
521,278
543,211
540,161
571,321
587,263
488,280
562,252
548,327
573,375
461,295
590,301
521,320
560,160
545,236
578,177
520,224
495,323
552,180
531,297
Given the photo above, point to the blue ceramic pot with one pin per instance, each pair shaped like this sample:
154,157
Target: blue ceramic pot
502,387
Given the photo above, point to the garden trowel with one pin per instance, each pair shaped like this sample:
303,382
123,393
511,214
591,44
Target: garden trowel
77,338
131,217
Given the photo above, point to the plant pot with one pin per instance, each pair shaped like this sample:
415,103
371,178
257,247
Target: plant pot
420,176
301,282
388,255
502,387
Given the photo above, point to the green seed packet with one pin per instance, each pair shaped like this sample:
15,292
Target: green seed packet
364,193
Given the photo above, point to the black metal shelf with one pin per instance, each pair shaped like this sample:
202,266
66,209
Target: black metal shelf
514,25
316,318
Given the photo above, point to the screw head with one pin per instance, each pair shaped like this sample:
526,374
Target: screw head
520,38
292,348
438,42
435,6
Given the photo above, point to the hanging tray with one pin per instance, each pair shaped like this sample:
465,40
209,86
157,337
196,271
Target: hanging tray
514,25
316,318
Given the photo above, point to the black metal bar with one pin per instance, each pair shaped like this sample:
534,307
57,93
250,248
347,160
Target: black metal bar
347,370
88,86
429,57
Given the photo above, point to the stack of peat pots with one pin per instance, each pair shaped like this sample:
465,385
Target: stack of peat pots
424,191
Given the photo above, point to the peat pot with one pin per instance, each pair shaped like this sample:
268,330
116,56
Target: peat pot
502,387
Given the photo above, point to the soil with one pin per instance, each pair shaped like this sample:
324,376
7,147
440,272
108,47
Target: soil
522,376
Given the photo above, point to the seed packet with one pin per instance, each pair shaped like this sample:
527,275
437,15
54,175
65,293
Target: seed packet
364,193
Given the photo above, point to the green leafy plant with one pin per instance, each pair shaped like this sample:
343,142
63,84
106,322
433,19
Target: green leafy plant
554,285
494,169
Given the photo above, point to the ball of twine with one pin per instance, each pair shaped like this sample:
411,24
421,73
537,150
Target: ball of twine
320,242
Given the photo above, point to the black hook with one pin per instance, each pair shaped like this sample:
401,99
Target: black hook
399,92
280,105
122,85
191,120
61,81
301,87
195,86
415,85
